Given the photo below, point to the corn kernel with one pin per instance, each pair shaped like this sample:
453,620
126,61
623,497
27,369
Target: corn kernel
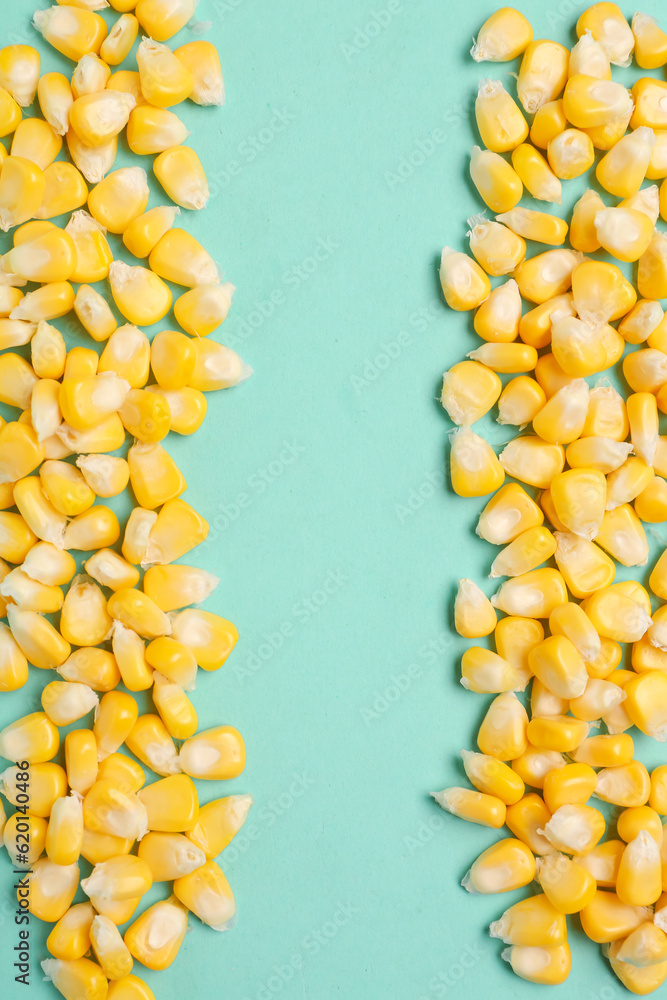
156,936
119,199
202,60
607,918
533,922
70,938
94,162
93,254
81,760
116,46
152,744
535,174
542,74
70,30
95,667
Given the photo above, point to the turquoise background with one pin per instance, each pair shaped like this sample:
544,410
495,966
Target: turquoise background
338,170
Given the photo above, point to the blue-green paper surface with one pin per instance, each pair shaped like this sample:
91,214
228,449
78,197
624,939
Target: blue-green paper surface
338,170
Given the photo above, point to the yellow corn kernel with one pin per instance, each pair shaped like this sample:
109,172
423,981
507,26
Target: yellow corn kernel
137,531
98,117
603,861
547,275
107,809
65,702
96,528
583,235
625,785
510,512
520,401
48,302
525,553
570,153
639,880
616,614
106,475
111,570
549,374
486,773
645,703
652,268
65,831
487,673
547,966
119,878
94,313
500,123
154,130
109,948
584,566
22,187
119,199
47,782
71,30
94,162
19,72
156,936
35,140
202,60
78,977
589,102
48,564
128,649
128,82
70,938
534,594
651,504
95,667
207,894
544,702
604,454
165,80
469,389
137,611
535,174
13,663
65,488
123,771
599,701
154,476
645,370
39,641
117,910
623,169
641,959
114,720
535,325
218,367
505,358
55,99
557,732
648,95
49,257
646,656
475,807
161,19
589,57
632,821
93,253
503,730
575,828
174,661
503,36
464,284
623,232
642,320
177,529
567,885
152,744
84,620
170,855
572,784
141,296
643,418
24,837
98,847
607,918
657,168
474,466
608,26
549,121
498,183
646,200
171,804
46,523
175,587
537,226
143,234
532,922
627,482
532,460
621,535
174,707
658,796
81,760
579,498
526,817
179,257
173,359
145,415
127,353
542,74
116,46
33,738
10,113
650,45
202,309
561,419
601,293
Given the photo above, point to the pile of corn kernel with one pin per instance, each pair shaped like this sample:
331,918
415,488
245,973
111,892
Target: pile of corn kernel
590,472
74,408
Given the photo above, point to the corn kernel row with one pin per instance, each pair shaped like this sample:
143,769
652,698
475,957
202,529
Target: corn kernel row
127,617
599,465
